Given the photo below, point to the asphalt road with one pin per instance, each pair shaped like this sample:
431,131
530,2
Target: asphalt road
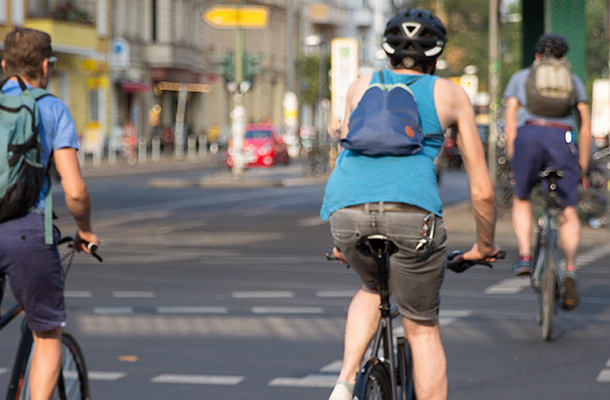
224,293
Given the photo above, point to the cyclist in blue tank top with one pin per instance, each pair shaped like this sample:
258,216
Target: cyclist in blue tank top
392,195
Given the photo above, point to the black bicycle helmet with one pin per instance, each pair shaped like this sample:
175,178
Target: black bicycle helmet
414,36
552,44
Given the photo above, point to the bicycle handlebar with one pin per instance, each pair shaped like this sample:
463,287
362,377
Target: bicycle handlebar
92,247
463,265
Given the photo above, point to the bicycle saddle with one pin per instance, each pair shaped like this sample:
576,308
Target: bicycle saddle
376,246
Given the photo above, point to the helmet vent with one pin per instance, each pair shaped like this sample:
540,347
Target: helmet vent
411,28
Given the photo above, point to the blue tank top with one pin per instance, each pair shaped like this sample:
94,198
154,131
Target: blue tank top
359,179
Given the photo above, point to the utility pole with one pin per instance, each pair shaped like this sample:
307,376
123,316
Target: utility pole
238,112
290,45
494,83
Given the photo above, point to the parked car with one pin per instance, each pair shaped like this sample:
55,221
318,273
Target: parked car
263,147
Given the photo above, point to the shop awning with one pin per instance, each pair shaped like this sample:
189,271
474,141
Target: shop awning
135,87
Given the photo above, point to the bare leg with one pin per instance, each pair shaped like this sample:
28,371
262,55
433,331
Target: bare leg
429,362
362,320
522,225
570,235
45,363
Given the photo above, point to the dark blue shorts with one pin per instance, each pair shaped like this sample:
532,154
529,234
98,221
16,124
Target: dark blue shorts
538,148
34,271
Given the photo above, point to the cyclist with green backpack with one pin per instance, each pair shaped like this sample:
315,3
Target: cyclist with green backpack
40,126
540,102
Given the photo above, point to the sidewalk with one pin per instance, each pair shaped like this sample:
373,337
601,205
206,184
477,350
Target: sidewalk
121,167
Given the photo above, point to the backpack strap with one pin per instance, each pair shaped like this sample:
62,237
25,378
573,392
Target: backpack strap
21,82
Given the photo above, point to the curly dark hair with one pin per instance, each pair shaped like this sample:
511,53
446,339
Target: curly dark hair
552,44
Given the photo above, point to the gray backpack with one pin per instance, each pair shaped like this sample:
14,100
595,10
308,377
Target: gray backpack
549,88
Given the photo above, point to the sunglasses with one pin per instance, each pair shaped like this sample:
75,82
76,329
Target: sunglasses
52,62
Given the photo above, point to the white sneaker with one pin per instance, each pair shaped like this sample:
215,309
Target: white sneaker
342,391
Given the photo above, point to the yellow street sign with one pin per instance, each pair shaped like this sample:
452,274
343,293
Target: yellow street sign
236,17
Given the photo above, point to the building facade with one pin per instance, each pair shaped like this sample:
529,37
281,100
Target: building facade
80,32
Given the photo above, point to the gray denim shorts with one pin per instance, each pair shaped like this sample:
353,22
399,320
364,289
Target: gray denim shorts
416,276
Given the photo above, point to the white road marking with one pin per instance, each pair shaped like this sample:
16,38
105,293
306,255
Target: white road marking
334,366
285,294
608,363
508,286
78,294
604,376
113,310
335,293
287,310
106,375
447,317
592,255
312,380
192,310
313,221
133,295
198,379
3,371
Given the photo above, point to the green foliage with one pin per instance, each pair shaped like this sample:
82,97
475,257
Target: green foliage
307,69
597,41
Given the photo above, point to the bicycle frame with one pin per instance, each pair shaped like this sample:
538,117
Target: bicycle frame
23,351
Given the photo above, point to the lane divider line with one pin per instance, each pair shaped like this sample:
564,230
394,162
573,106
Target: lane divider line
284,294
198,379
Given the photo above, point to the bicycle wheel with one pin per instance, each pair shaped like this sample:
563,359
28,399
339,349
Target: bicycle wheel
373,382
405,372
73,383
548,288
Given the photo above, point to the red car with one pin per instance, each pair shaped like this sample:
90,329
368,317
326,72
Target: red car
263,147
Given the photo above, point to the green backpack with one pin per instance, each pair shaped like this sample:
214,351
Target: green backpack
22,172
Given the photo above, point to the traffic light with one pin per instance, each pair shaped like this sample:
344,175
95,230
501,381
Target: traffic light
226,67
252,66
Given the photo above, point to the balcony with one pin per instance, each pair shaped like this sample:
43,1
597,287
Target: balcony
67,34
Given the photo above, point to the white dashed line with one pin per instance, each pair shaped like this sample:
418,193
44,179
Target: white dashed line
286,294
198,379
447,317
82,294
287,310
194,310
334,366
133,295
313,380
508,286
105,375
3,371
335,293
113,310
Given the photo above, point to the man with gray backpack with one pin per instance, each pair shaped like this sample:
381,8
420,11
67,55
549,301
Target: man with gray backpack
540,127
36,127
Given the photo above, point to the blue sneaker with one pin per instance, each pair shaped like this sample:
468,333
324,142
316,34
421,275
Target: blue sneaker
570,299
523,266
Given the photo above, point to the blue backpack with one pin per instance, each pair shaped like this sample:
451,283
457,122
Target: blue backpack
385,122
22,173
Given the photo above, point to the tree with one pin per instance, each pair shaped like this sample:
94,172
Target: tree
307,71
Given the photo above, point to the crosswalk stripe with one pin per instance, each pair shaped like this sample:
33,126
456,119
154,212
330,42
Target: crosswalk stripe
133,295
508,286
313,380
198,379
335,293
113,310
83,294
192,310
263,295
287,310
105,375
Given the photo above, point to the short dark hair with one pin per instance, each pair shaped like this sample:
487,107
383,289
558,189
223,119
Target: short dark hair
25,50
552,45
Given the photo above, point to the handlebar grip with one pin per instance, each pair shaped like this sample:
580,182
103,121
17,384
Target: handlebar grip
92,247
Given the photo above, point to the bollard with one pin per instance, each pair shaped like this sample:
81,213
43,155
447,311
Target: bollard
142,150
191,142
156,149
203,146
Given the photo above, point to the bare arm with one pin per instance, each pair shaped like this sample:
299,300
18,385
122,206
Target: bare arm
584,140
454,110
76,193
510,124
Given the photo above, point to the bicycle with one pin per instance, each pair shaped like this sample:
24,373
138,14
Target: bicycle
547,279
386,374
73,382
